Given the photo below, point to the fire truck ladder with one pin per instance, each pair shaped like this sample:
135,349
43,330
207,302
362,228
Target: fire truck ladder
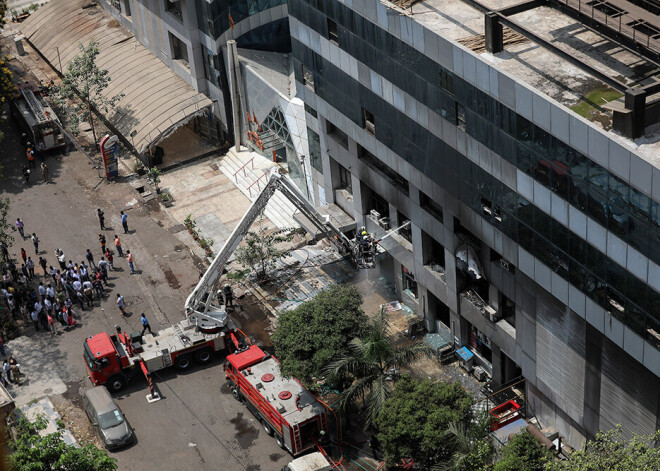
199,301
36,108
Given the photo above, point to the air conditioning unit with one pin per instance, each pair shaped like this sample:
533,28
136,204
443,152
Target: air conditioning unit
370,127
375,215
479,373
491,314
384,223
507,265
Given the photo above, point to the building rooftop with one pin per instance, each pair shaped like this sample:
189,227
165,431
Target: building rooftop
539,67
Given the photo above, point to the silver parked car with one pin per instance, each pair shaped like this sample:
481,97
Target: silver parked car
107,417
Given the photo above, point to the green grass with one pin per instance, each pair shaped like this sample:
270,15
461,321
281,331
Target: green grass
594,100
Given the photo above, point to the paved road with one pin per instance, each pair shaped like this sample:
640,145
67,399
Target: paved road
196,425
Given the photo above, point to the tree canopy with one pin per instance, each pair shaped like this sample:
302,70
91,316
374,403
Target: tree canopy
523,453
611,451
308,337
371,366
414,420
31,451
260,252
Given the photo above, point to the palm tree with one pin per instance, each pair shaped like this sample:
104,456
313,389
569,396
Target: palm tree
371,368
468,446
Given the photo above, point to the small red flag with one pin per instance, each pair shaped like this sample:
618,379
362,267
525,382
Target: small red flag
231,21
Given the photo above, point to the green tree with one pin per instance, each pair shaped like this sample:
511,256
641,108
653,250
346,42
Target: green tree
413,421
523,453
6,227
371,366
31,451
260,251
467,446
308,337
7,88
85,80
612,452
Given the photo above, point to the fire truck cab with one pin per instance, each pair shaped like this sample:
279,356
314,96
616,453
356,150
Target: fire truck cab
284,407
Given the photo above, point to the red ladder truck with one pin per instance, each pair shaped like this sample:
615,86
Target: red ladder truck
113,359
284,407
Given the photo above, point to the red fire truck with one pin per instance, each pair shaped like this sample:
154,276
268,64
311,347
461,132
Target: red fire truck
114,359
284,407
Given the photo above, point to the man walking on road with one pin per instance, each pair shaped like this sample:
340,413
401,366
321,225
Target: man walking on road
35,242
20,226
118,246
124,221
30,266
120,304
101,216
129,258
145,324
26,174
61,258
45,172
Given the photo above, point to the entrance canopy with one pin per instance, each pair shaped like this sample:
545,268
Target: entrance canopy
157,101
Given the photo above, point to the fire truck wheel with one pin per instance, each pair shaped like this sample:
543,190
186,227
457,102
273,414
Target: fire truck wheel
280,441
182,362
237,394
267,428
116,383
203,356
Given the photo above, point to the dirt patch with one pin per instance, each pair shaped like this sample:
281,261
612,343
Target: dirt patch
171,278
76,421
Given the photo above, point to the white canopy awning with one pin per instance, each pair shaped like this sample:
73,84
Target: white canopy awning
157,101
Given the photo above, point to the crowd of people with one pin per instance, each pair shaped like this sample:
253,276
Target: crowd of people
50,300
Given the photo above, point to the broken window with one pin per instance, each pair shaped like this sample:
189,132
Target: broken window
308,78
368,122
179,50
408,282
333,36
460,116
174,7
345,179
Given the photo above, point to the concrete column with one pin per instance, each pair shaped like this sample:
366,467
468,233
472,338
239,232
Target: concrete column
493,33
635,100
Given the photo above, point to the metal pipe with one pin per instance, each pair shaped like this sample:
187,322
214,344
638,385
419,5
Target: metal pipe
233,89
239,87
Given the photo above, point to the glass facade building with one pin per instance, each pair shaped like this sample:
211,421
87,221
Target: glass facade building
612,205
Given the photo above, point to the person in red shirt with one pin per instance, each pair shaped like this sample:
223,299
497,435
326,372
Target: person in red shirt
110,258
23,255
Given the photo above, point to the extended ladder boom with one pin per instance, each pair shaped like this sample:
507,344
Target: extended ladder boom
198,305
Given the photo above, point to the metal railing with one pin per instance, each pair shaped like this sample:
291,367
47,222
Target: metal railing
243,168
256,182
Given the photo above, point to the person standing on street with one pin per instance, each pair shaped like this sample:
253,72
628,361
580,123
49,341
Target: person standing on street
29,153
102,242
129,258
52,325
124,221
110,258
26,174
45,172
118,246
35,319
35,242
101,216
229,297
120,304
30,266
20,226
2,347
23,255
145,324
61,258
103,270
90,258
44,265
